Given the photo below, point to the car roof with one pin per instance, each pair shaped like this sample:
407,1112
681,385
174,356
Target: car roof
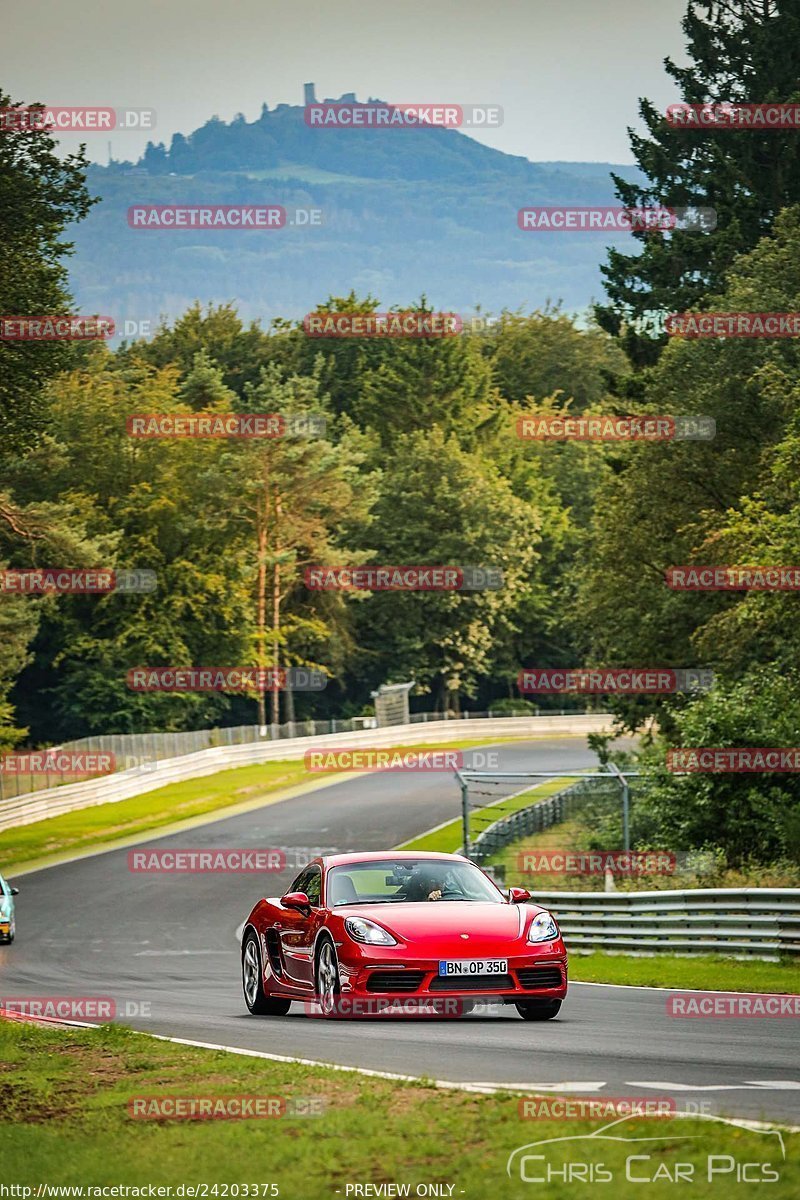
338,860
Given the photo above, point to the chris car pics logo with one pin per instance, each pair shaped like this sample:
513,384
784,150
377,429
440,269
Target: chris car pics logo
630,1150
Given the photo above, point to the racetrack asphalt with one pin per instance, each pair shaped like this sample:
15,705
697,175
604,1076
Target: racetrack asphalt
165,944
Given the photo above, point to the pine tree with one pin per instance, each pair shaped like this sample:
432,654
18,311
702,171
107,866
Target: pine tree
741,51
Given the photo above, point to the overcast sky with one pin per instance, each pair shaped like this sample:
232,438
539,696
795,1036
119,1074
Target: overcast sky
566,72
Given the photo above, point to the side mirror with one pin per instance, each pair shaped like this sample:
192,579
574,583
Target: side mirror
518,895
298,900
14,891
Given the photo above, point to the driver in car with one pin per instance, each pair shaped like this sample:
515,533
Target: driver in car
426,887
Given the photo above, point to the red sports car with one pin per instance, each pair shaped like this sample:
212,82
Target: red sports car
356,931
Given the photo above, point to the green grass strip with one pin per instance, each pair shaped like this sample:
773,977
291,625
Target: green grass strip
66,1120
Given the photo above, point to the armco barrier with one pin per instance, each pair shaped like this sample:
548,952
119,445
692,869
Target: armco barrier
37,806
525,821
744,922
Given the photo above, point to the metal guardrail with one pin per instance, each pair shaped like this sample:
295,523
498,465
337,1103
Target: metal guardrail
54,801
762,923
533,819
144,749
744,922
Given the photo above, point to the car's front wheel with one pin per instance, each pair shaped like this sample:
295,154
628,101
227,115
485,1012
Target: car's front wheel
255,997
327,979
538,1010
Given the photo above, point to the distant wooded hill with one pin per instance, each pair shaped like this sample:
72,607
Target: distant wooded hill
405,212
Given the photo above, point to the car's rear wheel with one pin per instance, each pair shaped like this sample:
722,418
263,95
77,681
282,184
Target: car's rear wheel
538,1010
328,986
255,997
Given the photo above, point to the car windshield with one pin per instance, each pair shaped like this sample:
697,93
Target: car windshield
388,881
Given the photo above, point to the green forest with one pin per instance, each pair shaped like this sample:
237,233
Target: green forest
420,462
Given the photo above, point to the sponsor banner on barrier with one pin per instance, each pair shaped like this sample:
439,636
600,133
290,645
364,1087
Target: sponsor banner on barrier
58,762
606,218
609,428
733,324
383,324
370,578
614,680
47,580
728,759
551,861
734,115
225,425
238,1107
225,679
55,327
732,1005
733,579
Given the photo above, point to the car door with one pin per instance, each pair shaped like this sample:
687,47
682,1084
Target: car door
299,930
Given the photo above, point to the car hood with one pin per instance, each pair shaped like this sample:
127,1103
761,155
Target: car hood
433,920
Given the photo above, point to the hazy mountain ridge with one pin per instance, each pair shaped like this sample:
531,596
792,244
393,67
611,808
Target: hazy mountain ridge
405,211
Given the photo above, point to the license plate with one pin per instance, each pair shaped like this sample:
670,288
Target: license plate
473,966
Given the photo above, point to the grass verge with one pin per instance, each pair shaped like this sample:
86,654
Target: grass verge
710,971
65,1121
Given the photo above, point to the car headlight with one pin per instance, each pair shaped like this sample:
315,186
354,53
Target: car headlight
543,928
5,908
362,930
